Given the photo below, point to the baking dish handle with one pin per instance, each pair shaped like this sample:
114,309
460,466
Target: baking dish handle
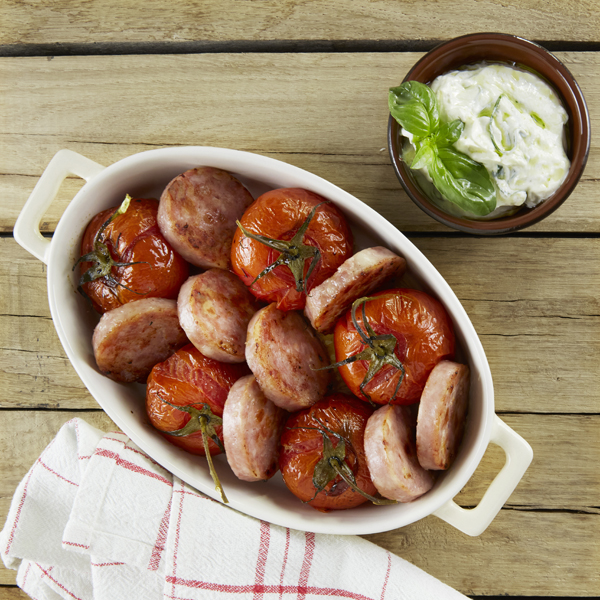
27,228
519,454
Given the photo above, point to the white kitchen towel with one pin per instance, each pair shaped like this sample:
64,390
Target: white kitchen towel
96,518
205,542
120,519
39,512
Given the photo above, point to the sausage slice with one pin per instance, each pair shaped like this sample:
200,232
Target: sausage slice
130,339
392,455
355,278
283,352
252,426
442,413
214,309
197,215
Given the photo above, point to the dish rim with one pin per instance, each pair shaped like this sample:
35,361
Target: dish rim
337,522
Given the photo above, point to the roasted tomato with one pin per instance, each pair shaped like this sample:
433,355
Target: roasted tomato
185,396
124,257
390,342
189,380
322,456
289,241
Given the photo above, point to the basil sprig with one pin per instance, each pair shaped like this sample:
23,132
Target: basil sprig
457,177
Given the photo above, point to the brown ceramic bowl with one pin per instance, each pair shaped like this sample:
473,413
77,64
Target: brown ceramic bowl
499,47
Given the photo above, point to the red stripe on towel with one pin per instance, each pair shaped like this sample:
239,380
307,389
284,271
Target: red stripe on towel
267,589
263,552
57,474
284,564
177,530
58,583
161,540
77,545
387,576
121,462
309,551
132,449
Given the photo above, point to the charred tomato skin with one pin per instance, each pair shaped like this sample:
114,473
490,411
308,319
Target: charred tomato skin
424,334
188,378
133,237
302,449
279,214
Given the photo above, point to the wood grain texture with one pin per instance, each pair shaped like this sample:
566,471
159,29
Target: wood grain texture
533,322
12,593
65,21
565,471
521,553
326,113
565,445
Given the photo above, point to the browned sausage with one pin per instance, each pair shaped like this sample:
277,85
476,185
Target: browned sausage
392,455
252,426
214,309
442,414
197,215
283,352
356,277
129,340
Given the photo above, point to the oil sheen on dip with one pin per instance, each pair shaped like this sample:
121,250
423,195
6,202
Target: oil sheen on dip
514,126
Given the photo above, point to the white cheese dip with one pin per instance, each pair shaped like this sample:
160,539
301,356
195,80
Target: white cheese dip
514,126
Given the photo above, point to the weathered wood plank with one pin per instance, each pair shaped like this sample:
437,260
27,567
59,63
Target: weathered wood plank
560,551
12,593
109,107
35,370
562,445
112,21
533,321
566,451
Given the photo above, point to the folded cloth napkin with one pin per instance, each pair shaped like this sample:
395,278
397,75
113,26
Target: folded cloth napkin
96,518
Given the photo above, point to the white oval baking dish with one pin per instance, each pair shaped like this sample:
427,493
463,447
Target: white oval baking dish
146,174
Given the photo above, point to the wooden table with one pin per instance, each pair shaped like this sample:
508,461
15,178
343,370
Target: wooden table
306,82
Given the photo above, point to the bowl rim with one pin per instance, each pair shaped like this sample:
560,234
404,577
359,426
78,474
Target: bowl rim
520,220
344,522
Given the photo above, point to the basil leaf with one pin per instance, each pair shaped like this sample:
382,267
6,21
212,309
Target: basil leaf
449,133
463,181
424,156
458,178
414,106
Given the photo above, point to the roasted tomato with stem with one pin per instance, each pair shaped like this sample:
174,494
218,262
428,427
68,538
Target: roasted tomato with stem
322,458
185,396
124,257
289,241
387,344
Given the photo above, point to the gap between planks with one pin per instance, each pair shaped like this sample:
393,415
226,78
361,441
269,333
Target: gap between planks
253,47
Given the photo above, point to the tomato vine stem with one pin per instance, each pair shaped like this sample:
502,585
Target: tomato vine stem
334,463
101,258
293,253
379,351
205,421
